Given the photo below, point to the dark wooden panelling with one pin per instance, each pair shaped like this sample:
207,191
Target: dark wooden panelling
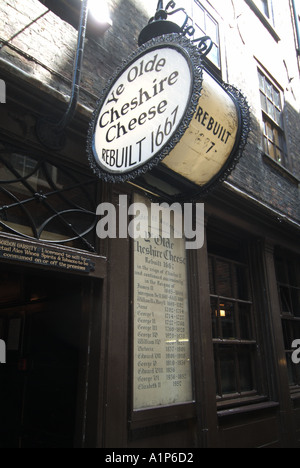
181,434
251,432
297,420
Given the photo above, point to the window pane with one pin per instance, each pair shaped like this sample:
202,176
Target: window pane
211,275
212,29
263,4
292,274
296,331
46,201
224,279
269,130
261,81
278,117
276,95
214,318
228,372
295,293
214,56
287,334
263,101
271,150
23,164
223,320
245,322
281,271
199,17
241,283
291,370
266,150
271,109
277,138
226,314
279,156
269,90
285,299
245,368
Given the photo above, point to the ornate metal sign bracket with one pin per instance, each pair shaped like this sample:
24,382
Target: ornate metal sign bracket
160,25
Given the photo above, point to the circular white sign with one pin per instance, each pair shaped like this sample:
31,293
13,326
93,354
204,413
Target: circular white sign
142,110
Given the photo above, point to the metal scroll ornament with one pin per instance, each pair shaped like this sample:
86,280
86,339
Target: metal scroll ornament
46,202
168,124
160,25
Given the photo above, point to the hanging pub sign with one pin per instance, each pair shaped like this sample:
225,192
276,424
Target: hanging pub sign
166,125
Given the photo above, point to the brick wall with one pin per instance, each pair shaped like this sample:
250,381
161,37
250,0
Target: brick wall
246,44
41,44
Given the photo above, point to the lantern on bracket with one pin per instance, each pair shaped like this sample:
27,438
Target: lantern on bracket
164,123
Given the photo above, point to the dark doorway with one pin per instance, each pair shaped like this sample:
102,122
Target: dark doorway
40,318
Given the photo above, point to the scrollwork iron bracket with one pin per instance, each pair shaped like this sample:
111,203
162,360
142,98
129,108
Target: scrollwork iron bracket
204,44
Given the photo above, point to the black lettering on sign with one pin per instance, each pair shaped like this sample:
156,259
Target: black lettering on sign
44,256
212,125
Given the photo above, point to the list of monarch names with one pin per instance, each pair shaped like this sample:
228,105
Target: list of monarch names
162,367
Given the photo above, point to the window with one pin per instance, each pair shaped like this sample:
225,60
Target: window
26,166
232,325
264,11
296,9
45,201
288,281
205,25
272,115
263,5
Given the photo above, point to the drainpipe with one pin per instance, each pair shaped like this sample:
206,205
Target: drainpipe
52,134
297,25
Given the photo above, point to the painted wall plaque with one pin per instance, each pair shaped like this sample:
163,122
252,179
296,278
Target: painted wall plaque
162,356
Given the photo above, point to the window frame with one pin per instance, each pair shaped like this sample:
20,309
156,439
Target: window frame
38,199
264,5
269,23
273,125
296,26
239,344
290,321
217,44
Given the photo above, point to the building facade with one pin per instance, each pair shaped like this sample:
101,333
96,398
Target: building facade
87,362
